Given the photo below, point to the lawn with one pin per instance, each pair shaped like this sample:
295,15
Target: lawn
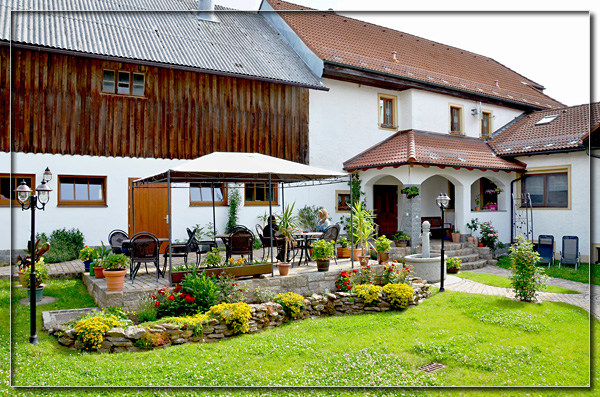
484,341
567,272
504,282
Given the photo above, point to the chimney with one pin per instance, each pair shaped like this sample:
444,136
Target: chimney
497,83
394,56
206,10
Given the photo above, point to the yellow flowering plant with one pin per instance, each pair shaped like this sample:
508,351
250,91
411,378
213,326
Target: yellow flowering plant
91,330
292,303
399,295
368,292
196,321
235,315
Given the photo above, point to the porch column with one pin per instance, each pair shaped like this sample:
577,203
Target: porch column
411,217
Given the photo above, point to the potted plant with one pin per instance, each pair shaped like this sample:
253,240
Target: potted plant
401,239
492,206
382,246
25,262
363,230
41,276
87,256
477,203
410,191
455,236
343,251
288,223
473,225
101,253
322,253
453,265
115,268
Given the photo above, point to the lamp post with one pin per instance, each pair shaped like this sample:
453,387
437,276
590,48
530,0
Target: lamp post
442,201
28,200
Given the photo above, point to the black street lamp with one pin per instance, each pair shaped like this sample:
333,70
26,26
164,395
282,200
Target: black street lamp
442,201
28,200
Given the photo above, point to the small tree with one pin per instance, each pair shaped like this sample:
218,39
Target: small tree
234,206
527,279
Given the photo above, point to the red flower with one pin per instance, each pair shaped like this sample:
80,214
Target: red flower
349,287
190,298
345,282
339,286
161,291
157,304
171,297
177,288
153,297
344,274
241,291
354,271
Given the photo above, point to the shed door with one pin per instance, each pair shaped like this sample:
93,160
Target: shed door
151,210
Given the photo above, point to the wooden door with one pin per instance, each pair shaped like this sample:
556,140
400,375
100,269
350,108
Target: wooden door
386,209
151,210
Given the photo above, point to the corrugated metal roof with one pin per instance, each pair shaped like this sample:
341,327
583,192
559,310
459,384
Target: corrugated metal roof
242,43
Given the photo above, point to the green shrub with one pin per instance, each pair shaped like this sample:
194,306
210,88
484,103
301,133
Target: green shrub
230,291
264,295
309,217
399,295
65,245
146,311
527,279
170,302
203,288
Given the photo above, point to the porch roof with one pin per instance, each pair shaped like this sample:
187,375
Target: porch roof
429,148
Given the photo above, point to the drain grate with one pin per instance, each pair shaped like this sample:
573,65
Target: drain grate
432,367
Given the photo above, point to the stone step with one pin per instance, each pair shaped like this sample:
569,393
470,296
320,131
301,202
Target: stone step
460,252
474,265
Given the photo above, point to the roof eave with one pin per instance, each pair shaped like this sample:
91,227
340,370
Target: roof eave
395,165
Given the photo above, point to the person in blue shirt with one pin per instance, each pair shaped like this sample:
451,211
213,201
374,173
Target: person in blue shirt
324,221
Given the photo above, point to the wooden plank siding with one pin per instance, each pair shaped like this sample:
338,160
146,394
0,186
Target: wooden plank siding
58,107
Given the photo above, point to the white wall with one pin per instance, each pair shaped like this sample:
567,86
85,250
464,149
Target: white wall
595,176
97,222
562,222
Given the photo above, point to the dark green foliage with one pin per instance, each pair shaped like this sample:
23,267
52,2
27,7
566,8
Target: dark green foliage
203,288
64,245
527,279
309,217
234,207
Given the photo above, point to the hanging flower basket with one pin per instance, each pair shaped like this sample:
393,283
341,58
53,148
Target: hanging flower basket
411,191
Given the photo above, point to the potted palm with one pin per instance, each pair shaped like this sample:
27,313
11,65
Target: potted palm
288,223
382,246
343,251
322,252
115,268
401,239
41,276
363,230
473,225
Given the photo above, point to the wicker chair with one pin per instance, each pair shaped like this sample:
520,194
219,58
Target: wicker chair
144,249
240,242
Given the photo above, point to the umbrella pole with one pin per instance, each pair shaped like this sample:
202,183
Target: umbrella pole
169,221
351,223
270,225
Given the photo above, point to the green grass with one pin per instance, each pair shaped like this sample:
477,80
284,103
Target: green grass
484,341
504,282
582,274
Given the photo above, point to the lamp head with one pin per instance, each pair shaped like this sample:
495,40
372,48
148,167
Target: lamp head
47,177
23,192
43,191
442,200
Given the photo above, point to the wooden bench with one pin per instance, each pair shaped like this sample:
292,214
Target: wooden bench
437,229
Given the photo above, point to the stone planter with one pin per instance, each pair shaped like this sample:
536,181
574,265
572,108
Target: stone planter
241,271
323,265
401,243
114,279
426,268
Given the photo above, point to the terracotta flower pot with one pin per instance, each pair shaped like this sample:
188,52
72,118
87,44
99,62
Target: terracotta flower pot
364,260
21,277
477,208
455,237
470,239
284,268
114,279
356,253
401,243
480,244
343,252
98,273
383,257
322,265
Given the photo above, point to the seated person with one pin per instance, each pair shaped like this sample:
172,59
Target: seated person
324,221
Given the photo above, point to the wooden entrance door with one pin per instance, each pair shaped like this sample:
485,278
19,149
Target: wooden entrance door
386,209
151,210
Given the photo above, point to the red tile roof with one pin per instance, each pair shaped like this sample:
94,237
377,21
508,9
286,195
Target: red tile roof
342,40
563,133
429,148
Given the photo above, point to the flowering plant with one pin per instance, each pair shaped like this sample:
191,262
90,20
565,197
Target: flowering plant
396,272
229,290
367,276
382,244
212,258
41,274
489,236
345,280
116,262
368,292
174,302
235,315
493,191
87,254
453,263
292,303
234,263
399,295
92,326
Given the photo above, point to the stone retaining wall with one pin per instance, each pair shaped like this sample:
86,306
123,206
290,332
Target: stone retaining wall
263,316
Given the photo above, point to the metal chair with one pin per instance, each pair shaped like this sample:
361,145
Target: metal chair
570,251
145,248
266,241
546,248
200,246
180,250
331,234
241,242
115,239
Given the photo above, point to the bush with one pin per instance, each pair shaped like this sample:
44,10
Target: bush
230,291
92,326
41,274
171,302
396,272
65,245
235,315
368,292
292,303
264,295
527,279
146,311
345,280
399,295
489,235
203,288
194,321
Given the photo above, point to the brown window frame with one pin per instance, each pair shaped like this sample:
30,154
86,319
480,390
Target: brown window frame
344,197
545,189
131,83
393,111
458,111
255,202
16,179
486,117
198,185
98,203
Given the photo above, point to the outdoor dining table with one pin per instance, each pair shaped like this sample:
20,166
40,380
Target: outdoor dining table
127,243
306,237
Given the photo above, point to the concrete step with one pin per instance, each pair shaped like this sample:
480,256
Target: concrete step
453,253
474,265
